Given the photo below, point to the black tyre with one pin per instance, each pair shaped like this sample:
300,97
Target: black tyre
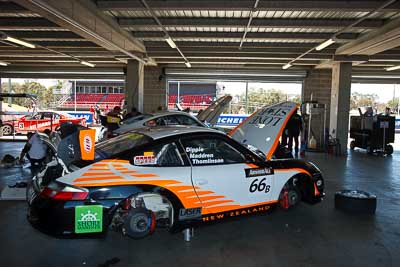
352,145
139,223
355,201
7,129
388,150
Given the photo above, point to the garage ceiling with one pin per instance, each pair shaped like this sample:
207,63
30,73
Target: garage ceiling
208,34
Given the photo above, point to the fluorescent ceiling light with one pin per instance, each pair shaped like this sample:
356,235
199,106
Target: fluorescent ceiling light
2,63
170,42
325,44
286,66
393,68
187,63
20,42
87,64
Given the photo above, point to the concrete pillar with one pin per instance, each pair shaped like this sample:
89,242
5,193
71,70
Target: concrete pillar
134,83
340,102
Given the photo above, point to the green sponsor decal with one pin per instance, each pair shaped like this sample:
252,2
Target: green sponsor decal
88,219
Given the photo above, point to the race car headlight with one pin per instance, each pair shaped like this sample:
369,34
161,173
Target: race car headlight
318,183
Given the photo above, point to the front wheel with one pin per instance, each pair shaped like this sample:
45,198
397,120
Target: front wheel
139,223
7,129
290,196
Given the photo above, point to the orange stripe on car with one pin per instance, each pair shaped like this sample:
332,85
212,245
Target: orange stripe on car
144,175
128,171
275,144
233,207
180,187
213,203
99,169
98,178
251,165
293,169
205,198
127,182
97,173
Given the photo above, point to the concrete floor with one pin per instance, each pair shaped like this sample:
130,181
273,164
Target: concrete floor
306,236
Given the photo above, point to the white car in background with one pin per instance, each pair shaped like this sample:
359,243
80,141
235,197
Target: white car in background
206,118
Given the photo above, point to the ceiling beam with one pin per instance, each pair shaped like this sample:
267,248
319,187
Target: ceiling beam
19,23
249,56
7,7
244,50
67,44
385,38
250,35
247,5
45,35
149,23
237,61
189,44
83,18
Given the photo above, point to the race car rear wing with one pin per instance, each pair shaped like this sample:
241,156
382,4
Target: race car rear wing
264,127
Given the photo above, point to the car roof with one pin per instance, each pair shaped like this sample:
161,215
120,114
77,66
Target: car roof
166,131
163,113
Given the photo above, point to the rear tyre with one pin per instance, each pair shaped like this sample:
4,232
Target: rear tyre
139,223
355,201
352,145
7,129
388,150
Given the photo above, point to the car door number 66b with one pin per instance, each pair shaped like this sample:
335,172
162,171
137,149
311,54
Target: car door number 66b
259,185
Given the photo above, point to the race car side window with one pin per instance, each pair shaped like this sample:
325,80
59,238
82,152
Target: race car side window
211,151
186,120
162,155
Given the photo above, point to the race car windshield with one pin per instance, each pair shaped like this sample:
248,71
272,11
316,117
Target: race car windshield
119,144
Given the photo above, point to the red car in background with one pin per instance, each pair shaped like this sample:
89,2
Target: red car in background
39,121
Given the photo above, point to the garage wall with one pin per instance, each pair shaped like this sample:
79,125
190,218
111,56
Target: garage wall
318,83
154,89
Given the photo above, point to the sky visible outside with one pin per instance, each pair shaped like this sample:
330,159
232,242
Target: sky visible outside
385,92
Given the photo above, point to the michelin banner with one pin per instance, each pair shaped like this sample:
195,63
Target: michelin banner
82,114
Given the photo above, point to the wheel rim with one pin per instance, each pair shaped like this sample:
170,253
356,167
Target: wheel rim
139,224
294,198
6,129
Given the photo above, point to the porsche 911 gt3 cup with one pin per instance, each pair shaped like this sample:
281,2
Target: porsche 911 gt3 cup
172,177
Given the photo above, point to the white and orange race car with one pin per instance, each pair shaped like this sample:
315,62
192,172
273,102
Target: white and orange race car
173,177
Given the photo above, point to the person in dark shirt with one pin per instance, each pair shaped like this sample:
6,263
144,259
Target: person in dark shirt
294,127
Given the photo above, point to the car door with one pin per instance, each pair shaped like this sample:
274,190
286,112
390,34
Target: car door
224,177
31,122
170,170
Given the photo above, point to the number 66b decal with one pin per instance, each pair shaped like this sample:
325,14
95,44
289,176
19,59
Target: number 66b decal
259,185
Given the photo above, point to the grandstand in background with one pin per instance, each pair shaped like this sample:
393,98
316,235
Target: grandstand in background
91,93
193,95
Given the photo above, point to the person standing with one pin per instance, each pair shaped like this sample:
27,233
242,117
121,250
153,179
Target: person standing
92,111
294,127
35,150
